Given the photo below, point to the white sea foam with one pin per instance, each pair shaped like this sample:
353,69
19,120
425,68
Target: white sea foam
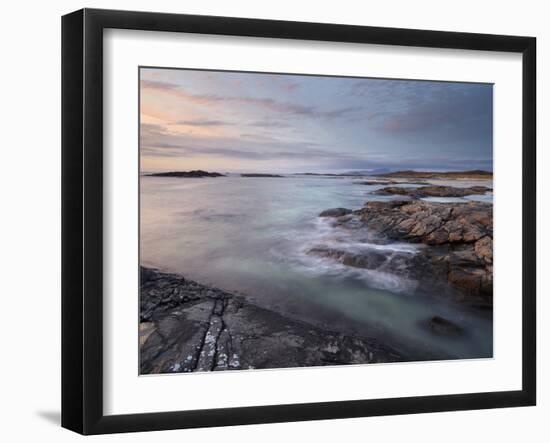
325,234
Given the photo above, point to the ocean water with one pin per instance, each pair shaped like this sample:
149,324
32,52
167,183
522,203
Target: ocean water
251,236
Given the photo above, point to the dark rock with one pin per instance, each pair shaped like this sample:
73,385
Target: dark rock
147,274
376,182
390,182
430,223
371,260
443,326
458,236
187,174
433,191
335,212
475,174
217,330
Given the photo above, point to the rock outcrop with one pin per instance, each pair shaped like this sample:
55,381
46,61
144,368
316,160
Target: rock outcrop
474,174
431,223
187,327
442,326
457,241
187,174
389,182
335,212
433,191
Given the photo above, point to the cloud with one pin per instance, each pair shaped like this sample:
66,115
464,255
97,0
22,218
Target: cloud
201,123
329,123
158,85
438,111
283,107
151,130
157,141
457,113
270,124
291,86
293,151
422,162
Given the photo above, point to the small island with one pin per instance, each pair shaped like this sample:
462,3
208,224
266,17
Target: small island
187,174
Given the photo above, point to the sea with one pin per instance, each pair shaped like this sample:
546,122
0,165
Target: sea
252,236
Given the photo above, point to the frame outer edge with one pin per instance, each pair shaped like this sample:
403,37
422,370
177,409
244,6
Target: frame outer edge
92,196
529,287
72,166
82,192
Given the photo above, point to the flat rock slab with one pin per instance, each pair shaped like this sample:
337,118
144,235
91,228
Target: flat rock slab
335,212
211,330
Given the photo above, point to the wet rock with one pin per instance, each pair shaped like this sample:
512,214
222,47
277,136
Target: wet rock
145,330
433,191
160,295
443,326
484,249
147,275
468,279
335,212
375,182
368,260
458,237
213,330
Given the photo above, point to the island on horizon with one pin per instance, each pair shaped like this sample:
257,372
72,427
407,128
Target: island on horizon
473,174
197,173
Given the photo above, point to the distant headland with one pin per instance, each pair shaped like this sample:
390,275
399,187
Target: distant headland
187,174
479,174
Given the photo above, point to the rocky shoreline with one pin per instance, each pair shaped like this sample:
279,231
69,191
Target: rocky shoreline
187,327
455,256
433,191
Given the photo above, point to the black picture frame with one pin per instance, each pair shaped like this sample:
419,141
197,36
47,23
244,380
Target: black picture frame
82,220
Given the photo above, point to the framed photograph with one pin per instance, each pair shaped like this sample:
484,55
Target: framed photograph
269,221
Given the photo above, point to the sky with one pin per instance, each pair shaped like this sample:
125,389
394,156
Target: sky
253,122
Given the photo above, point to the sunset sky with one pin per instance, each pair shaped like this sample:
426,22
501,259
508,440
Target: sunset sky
246,122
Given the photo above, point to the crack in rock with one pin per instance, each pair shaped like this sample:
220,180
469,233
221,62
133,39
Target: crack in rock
209,347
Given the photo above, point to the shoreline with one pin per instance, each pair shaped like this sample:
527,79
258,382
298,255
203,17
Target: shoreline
457,240
188,327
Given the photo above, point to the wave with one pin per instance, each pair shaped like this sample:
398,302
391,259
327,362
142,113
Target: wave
324,234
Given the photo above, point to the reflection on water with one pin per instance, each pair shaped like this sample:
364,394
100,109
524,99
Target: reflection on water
251,235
